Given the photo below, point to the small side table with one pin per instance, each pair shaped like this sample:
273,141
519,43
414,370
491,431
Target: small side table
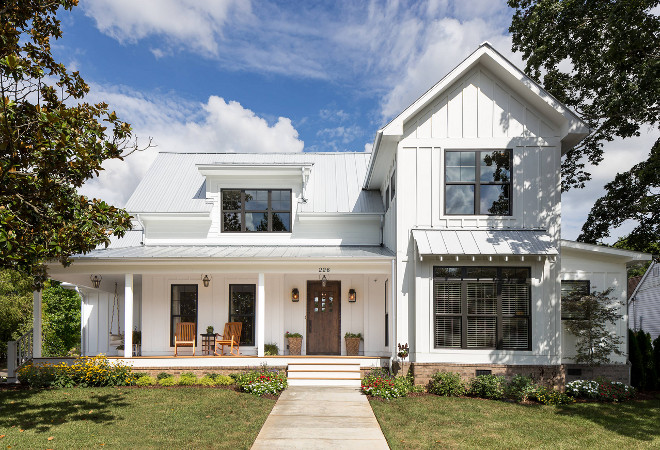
208,343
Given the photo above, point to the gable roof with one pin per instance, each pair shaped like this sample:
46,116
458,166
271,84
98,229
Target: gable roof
573,129
174,183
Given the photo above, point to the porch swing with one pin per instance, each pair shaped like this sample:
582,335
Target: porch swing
116,340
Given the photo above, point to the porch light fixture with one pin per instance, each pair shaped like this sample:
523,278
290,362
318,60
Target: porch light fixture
295,295
352,295
96,280
206,280
324,281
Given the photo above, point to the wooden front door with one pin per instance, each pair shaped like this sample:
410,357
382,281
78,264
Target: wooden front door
323,318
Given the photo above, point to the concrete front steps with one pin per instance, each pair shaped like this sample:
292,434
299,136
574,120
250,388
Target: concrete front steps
332,373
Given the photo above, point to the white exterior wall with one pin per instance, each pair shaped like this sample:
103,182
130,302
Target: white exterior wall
602,273
644,309
477,113
365,316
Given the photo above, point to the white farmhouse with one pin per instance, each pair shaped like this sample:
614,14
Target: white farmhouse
445,238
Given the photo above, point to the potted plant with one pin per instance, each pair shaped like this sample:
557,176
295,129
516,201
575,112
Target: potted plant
403,351
352,343
295,342
209,329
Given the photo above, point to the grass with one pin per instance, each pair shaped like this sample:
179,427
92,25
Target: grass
181,417
443,422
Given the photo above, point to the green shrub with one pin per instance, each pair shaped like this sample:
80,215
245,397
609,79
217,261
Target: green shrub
487,386
168,381
146,381
95,371
187,379
259,382
447,384
164,375
600,390
271,350
549,396
207,380
223,380
380,383
520,388
37,375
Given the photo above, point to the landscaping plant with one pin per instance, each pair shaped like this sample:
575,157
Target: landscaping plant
549,396
187,379
601,390
379,383
94,371
447,384
260,382
520,388
271,349
487,386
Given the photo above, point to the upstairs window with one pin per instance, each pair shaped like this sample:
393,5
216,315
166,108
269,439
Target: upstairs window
478,182
256,210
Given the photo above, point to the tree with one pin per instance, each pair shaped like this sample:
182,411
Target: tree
590,316
61,328
15,307
602,58
51,142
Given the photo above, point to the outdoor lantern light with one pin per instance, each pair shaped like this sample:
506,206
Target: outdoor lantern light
352,295
295,295
324,281
96,280
206,280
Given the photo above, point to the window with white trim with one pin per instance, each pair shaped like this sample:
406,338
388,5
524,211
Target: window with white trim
256,210
482,307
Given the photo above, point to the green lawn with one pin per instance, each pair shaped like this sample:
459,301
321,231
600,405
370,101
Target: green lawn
177,417
441,422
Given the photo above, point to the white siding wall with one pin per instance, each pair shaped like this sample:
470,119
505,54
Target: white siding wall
478,112
645,309
603,274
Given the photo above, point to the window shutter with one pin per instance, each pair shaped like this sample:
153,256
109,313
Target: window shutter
447,304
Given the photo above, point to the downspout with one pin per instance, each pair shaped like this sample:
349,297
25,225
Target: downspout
137,217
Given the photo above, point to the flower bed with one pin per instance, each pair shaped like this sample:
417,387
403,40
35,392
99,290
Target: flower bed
260,382
602,390
94,371
379,383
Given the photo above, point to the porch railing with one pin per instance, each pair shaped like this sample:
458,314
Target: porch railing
19,352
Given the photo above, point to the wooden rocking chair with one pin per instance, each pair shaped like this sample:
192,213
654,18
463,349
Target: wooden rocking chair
185,336
231,337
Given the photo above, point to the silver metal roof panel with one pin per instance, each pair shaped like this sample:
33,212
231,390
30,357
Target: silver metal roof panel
484,242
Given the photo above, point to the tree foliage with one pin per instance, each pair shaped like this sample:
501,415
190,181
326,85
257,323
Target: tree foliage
15,307
591,315
51,142
599,57
61,325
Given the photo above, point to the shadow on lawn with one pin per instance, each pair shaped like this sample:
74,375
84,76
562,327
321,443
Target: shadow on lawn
16,409
635,419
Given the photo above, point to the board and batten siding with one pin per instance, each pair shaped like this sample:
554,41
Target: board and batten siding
602,273
478,112
645,308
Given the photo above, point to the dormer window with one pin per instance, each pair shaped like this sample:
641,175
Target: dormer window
478,182
256,210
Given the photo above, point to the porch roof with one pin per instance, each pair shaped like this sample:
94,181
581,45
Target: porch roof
260,252
484,242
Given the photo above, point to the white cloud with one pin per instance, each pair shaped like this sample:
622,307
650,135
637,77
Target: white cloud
620,156
180,126
344,134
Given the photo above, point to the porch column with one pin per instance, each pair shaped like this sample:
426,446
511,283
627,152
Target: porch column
261,314
393,306
128,315
36,324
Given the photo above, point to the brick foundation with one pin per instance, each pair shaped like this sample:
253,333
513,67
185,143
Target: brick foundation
550,375
199,371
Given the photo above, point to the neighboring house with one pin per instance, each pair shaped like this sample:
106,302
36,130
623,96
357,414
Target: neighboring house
644,302
446,237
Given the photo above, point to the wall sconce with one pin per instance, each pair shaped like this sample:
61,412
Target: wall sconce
96,280
324,281
295,295
206,280
352,295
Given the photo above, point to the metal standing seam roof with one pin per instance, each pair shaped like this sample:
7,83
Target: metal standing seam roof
173,184
484,242
237,251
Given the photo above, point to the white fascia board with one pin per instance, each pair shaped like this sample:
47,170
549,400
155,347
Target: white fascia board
338,216
178,216
628,255
254,170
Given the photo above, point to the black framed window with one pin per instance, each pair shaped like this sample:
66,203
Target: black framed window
569,287
482,307
256,210
183,307
393,185
387,198
478,182
242,308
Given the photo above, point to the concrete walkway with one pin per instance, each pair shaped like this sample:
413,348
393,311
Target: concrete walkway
313,417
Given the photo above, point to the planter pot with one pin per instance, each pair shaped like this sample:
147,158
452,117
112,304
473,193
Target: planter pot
352,346
295,345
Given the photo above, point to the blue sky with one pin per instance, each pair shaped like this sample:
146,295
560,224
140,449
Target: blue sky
266,76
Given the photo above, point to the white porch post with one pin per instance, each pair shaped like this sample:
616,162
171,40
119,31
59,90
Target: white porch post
128,315
393,306
261,314
36,324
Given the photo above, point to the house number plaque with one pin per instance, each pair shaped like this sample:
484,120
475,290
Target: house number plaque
324,269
